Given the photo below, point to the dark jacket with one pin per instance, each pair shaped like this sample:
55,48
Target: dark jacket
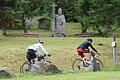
85,45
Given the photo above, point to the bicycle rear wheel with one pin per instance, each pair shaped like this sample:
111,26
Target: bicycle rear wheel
77,64
25,67
99,64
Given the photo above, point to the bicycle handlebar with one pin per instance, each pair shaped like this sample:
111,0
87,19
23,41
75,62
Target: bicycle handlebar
47,55
98,53
42,57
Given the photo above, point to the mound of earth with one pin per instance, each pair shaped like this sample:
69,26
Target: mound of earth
45,68
5,73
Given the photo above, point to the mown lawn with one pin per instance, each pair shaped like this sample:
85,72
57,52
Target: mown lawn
63,50
72,28
71,76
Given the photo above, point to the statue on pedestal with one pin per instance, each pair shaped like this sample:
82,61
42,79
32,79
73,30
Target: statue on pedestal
60,24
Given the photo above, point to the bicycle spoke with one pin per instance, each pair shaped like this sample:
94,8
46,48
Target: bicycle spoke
99,64
77,64
25,67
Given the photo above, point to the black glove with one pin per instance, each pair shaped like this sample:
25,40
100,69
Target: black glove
45,55
49,55
98,53
40,58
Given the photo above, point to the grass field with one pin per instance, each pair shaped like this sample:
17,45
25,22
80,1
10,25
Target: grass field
71,76
72,28
63,50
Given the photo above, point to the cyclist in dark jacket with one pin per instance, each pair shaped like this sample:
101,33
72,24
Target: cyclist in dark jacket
84,47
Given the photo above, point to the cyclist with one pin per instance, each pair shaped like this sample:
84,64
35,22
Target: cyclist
84,47
32,50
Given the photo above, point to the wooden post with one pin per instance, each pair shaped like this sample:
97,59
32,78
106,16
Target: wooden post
94,64
114,48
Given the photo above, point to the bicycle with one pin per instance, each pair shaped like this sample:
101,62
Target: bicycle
84,64
27,66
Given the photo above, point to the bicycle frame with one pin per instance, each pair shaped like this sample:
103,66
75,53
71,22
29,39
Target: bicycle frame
30,64
90,58
85,63
92,61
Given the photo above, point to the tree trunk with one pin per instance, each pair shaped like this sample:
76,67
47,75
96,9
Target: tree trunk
84,27
99,30
4,31
23,23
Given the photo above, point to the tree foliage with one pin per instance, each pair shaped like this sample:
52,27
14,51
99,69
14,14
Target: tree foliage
6,14
30,8
105,13
101,15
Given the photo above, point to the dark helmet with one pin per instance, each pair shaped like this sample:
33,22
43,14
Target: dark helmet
89,39
40,41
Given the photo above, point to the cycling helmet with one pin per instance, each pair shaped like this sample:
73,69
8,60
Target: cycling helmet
40,41
89,39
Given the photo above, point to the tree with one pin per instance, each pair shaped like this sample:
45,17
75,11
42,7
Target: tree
7,20
29,8
6,14
104,14
24,12
82,8
101,14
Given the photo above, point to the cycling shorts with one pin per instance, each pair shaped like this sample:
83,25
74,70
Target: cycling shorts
31,54
80,50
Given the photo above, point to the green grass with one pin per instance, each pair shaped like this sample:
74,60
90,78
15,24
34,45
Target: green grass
71,76
72,28
63,50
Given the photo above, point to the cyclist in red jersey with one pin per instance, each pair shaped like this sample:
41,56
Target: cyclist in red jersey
84,47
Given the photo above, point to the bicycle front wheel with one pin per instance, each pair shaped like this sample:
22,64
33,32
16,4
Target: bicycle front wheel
99,64
77,64
25,67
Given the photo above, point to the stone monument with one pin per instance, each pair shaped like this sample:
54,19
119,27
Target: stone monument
58,23
53,19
